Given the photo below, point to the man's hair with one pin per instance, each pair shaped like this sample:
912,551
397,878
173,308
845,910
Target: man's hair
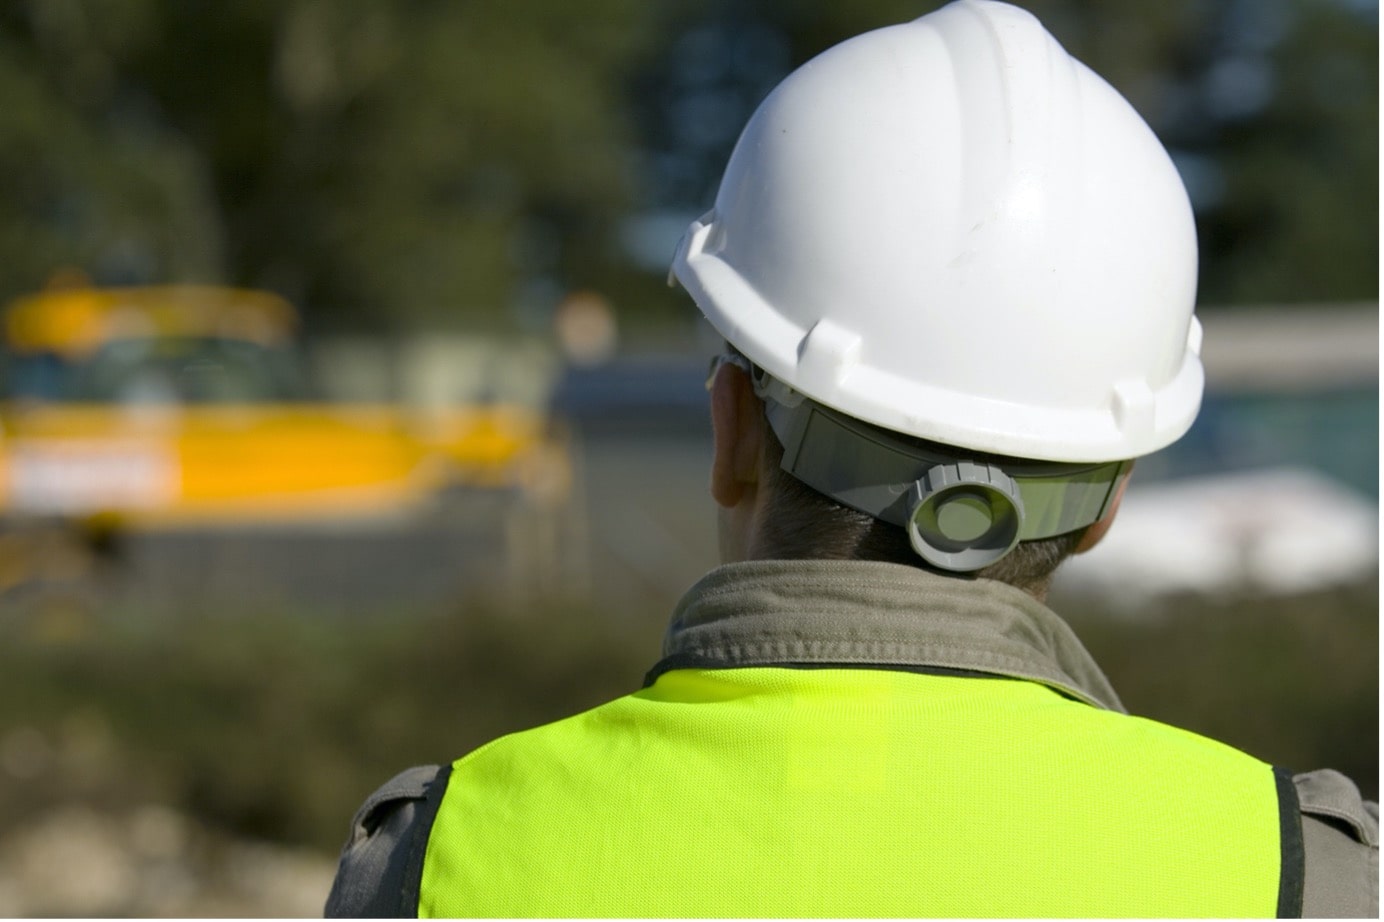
800,523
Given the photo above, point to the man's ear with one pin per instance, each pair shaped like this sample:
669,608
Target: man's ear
737,427
1097,530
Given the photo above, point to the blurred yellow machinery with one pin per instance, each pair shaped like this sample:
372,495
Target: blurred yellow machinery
187,406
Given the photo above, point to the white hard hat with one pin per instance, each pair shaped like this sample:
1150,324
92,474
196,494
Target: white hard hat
953,230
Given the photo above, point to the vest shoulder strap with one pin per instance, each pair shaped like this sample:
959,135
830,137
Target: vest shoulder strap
382,861
1340,837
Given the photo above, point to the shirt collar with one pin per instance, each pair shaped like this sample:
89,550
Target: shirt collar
821,612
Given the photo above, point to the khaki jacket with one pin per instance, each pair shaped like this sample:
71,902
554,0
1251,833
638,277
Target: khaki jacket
872,614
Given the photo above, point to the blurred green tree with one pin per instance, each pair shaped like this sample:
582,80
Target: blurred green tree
87,179
383,163
407,163
415,163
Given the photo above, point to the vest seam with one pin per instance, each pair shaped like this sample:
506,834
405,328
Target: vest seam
1292,875
702,661
412,891
697,661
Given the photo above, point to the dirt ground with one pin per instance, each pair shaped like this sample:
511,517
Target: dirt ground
152,862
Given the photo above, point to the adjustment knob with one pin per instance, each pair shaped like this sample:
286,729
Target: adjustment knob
964,516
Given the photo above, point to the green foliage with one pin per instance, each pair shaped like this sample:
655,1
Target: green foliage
278,726
84,182
420,164
1300,218
405,163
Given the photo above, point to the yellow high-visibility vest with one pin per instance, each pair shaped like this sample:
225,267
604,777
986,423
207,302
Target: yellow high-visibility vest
859,792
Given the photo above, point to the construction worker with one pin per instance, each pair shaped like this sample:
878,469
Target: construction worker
955,272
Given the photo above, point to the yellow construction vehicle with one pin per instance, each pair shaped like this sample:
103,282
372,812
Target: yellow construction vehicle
185,405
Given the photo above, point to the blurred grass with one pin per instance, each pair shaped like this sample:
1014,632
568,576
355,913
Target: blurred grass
1293,680
276,725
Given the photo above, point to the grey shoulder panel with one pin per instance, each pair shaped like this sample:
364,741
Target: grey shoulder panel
373,877
1340,834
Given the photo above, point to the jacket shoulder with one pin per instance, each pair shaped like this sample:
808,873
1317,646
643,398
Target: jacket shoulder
377,876
1340,837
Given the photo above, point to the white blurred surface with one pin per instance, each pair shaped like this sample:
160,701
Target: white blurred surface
1282,530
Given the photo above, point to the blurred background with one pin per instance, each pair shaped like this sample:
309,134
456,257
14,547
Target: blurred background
347,421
